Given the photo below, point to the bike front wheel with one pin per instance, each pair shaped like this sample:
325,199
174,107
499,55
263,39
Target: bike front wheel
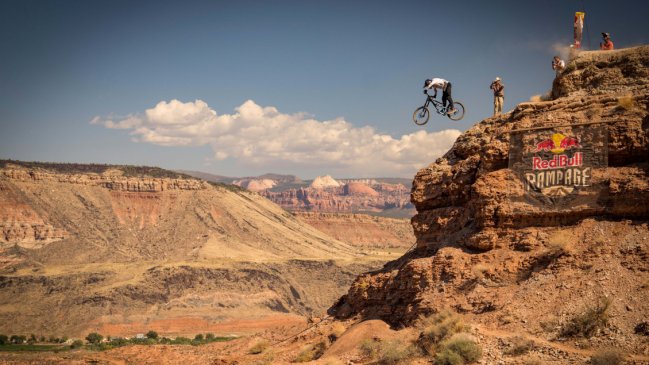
421,115
459,111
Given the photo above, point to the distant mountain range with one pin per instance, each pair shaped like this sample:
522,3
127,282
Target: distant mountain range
380,196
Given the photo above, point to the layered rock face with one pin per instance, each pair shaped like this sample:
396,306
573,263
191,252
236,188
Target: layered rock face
345,198
486,246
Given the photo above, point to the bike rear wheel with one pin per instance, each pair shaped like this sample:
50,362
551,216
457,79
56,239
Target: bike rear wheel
459,111
421,115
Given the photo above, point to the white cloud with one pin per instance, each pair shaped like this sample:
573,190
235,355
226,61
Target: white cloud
257,136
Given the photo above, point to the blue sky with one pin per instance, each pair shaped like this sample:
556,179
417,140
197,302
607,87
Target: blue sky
297,87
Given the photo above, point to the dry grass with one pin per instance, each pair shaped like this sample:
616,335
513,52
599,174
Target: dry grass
626,102
259,347
333,361
437,328
460,349
588,323
519,345
311,352
480,270
532,361
337,330
607,357
559,244
389,352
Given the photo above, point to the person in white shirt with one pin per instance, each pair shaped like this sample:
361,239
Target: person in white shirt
445,86
558,65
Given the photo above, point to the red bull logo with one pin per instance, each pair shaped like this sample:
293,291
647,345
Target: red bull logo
563,170
557,144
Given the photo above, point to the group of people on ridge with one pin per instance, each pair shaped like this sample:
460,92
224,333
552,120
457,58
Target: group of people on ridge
497,86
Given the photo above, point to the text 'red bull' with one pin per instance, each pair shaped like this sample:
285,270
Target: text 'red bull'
558,161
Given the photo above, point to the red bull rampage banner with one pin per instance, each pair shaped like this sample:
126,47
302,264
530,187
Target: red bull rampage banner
557,164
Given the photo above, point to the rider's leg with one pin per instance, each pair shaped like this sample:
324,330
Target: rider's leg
447,96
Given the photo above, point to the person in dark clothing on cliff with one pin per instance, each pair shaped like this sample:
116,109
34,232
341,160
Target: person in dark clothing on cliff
607,45
499,95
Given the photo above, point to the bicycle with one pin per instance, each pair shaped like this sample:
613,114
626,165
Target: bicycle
421,115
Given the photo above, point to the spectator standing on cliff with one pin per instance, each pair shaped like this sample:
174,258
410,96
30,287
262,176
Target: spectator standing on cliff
445,86
499,95
607,45
558,65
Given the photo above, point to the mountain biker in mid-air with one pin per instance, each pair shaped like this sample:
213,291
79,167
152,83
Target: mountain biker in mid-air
437,83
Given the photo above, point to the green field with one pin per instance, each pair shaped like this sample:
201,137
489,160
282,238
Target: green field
17,348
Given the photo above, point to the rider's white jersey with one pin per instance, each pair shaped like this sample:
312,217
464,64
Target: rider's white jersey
438,83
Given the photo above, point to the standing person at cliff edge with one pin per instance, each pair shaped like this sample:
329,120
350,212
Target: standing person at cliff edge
437,83
607,45
499,95
558,65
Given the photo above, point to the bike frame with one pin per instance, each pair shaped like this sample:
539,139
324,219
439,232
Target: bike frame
437,104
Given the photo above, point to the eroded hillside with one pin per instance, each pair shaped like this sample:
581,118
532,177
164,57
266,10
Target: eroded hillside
110,250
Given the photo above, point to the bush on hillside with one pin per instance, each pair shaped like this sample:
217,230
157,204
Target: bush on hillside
589,322
94,338
463,345
258,347
387,352
607,357
438,327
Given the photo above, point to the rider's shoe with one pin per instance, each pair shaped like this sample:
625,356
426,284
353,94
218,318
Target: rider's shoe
451,111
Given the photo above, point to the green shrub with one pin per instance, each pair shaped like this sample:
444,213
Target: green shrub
4,339
181,341
118,341
589,322
463,345
76,344
152,335
258,347
210,337
438,327
607,357
448,357
94,338
199,337
17,339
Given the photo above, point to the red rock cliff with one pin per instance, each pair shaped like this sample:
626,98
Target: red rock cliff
484,248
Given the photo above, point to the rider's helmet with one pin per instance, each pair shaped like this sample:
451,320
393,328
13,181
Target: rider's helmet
427,82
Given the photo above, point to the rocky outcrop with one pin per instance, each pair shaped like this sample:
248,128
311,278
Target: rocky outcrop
484,242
